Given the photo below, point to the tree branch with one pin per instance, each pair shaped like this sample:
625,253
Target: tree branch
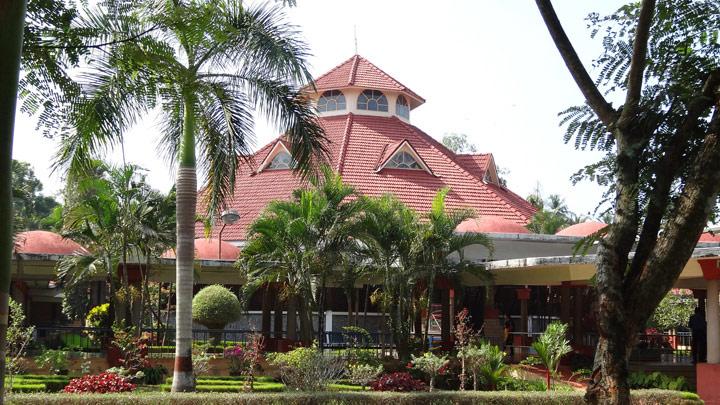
637,63
592,95
666,172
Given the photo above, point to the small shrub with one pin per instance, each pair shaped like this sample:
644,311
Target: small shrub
490,364
639,380
155,375
99,383
551,346
215,306
245,360
398,382
55,361
430,364
363,374
308,369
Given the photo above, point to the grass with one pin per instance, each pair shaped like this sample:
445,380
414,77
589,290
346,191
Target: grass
643,397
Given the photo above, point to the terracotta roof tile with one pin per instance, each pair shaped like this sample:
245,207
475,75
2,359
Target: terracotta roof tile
359,72
355,144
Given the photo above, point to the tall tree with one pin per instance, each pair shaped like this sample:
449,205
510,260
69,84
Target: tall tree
662,162
12,15
458,143
207,66
30,207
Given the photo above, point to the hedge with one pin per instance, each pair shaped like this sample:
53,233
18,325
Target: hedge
642,397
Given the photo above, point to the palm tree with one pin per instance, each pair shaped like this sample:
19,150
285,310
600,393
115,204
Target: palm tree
206,66
302,242
390,244
439,242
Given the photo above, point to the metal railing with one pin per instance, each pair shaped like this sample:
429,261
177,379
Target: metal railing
75,338
663,348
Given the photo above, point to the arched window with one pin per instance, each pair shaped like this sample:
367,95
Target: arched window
402,108
282,160
403,160
331,100
372,100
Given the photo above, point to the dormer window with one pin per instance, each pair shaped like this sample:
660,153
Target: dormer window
402,108
282,160
402,160
372,100
332,100
278,158
402,155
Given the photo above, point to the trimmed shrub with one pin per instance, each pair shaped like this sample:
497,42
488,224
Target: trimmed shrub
644,397
215,306
99,383
398,382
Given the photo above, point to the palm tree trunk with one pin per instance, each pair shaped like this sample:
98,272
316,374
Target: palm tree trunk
12,16
183,379
428,307
292,317
266,307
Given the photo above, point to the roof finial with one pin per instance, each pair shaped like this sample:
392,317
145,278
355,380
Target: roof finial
355,34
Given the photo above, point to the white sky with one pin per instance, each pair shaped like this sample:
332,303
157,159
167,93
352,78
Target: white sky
487,68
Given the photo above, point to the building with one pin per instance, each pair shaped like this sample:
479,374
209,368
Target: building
366,115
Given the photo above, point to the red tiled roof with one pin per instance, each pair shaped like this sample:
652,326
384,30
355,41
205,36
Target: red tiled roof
356,144
359,72
490,224
44,242
582,229
476,164
708,237
207,249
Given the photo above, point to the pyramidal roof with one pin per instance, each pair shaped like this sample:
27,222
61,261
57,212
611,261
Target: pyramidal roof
359,72
357,145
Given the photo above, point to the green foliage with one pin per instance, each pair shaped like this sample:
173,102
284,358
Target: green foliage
517,384
640,380
363,374
307,369
55,361
98,317
491,365
674,310
30,207
18,337
215,306
430,364
458,143
349,398
552,345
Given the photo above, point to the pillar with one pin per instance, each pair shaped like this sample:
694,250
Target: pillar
445,322
713,322
577,316
523,294
278,318
565,302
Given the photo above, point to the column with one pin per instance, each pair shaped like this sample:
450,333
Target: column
713,322
577,316
565,302
278,318
266,315
445,322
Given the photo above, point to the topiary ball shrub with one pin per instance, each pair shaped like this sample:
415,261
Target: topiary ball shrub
99,383
398,382
215,306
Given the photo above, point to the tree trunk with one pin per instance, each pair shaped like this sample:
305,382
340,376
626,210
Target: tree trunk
278,316
183,378
306,333
266,315
12,17
292,317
